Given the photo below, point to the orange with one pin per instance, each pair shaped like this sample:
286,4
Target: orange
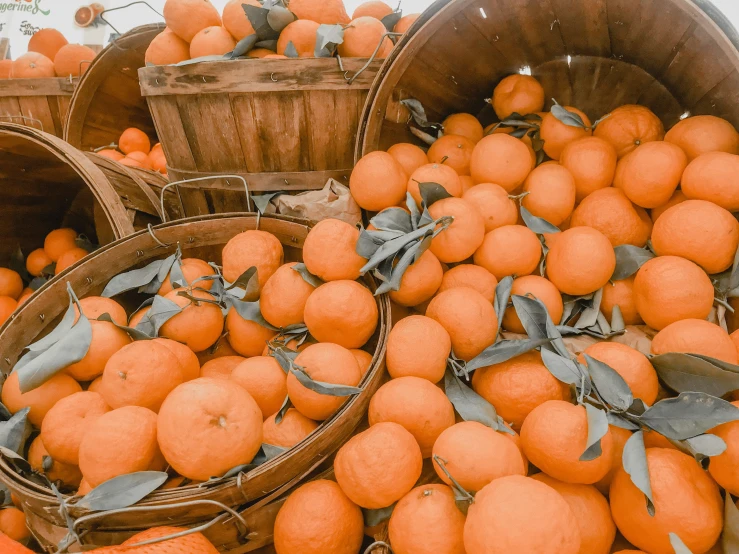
554,436
415,403
468,318
134,140
467,183
669,288
471,276
723,468
211,41
329,12
695,336
283,297
47,42
630,364
6,67
192,270
509,250
246,337
592,162
405,22
10,546
620,436
591,509
58,241
158,160
25,295
194,543
711,177
167,48
95,385
537,287
418,346
13,524
419,282
189,363
95,306
580,261
142,374
119,442
609,211
556,135
252,248
318,518
494,205
519,514
188,17
235,20
378,466
72,60
37,261
621,294
69,475
84,487
704,133
7,306
699,231
465,234
342,312
69,258
32,66
551,193
327,363
501,159
363,358
329,251
373,8
427,521
409,156
521,94
131,161
682,492
650,174
434,173
198,325
518,386
264,380
293,428
67,422
378,181
11,283
221,367
207,416
453,151
41,399
361,38
463,124
218,350
112,154
107,339
629,126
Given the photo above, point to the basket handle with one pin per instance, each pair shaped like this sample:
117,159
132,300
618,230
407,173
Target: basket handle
100,15
361,70
24,118
174,183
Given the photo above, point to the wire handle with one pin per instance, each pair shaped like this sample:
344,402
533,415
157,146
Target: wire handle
361,70
24,118
196,179
100,15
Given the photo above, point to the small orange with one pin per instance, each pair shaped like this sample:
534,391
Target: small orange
198,325
537,287
247,338
453,151
409,156
194,542
434,173
293,428
650,174
211,41
465,234
580,261
283,297
47,42
41,399
471,276
419,282
69,258
235,20
556,135
372,8
629,126
551,193
167,48
516,93
189,363
418,346
621,294
592,162
378,181
465,125
509,250
329,251
112,154
220,349
695,336
192,271
252,248
264,380
501,159
58,241
467,183
25,295
37,261
494,205
704,133
11,283
221,367
711,176
13,524
609,211
134,140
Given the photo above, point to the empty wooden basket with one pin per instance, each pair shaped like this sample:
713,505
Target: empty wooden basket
38,103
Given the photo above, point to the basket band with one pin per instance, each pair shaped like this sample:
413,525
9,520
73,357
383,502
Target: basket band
263,182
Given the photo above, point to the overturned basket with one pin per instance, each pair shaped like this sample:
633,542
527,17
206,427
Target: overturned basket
193,504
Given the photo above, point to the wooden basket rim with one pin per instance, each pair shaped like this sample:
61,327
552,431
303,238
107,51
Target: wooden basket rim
50,86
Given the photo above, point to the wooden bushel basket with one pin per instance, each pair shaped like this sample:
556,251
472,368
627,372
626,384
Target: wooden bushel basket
286,125
677,57
252,493
38,103
108,99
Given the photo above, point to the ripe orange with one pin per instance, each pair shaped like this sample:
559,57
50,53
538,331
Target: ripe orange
6,67
629,126
342,312
112,154
691,229
669,288
134,140
211,41
409,156
537,287
363,358
221,367
609,211
471,276
11,283
682,492
361,38
372,8
283,297
7,306
592,162
427,520
13,524
418,346
330,12
107,339
468,318
556,135
95,306
58,241
41,399
521,94
518,386
695,336
465,234
167,48
704,133
580,261
32,65
189,363
119,442
415,403
463,124
293,428
378,466
494,205
47,42
246,337
142,374
136,159
218,350
337,527
509,250
519,514
36,261
67,422
621,294
264,380
72,60
419,282
453,151
252,248
157,159
25,295
69,475
192,270
630,364
69,258
501,159
195,543
551,193
328,363
591,509
187,17
711,177
434,173
198,325
329,251
723,468
650,174
378,181
620,436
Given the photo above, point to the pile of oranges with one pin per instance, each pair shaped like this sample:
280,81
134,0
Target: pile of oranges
49,55
134,149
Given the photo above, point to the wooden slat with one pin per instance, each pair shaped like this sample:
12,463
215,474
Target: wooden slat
37,108
37,87
583,30
282,125
262,182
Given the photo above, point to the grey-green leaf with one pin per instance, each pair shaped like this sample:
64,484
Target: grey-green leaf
533,315
291,51
502,296
307,276
469,405
261,201
692,372
286,405
328,37
629,259
391,20
678,545
503,351
567,117
242,47
707,445
329,389
134,279
432,192
610,385
597,429
15,431
279,17
689,415
258,18
122,491
635,464
64,326
538,225
564,369
730,534
393,219
135,334
161,311
375,517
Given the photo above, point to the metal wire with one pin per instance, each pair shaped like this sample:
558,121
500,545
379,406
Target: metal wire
24,118
100,15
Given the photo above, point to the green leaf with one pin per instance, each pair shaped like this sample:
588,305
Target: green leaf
285,357
706,446
307,276
692,372
135,334
368,243
689,415
391,247
503,351
15,431
328,389
393,219
242,47
564,369
597,429
145,277
533,315
286,405
391,20
258,18
432,192
375,517
538,225
262,201
730,534
418,113
410,203
270,44
619,421
635,464
589,315
162,310
246,287
328,37
678,545
279,17
64,326
629,259
291,51
567,117
122,491
469,405
502,296
609,384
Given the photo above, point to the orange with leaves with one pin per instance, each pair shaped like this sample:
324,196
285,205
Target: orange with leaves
434,173
419,282
378,181
465,234
293,428
509,250
69,475
521,94
453,151
342,312
329,251
107,339
621,294
252,248
463,124
556,135
283,297
471,276
264,380
620,436
186,18
551,193
609,211
199,324
501,159
650,174
629,126
580,260
362,36
695,336
409,156
418,346
41,399
592,162
630,364
537,287
193,270
704,133
494,205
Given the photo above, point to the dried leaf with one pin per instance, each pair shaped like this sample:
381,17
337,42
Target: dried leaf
373,518
691,372
122,491
258,18
629,259
328,389
64,326
689,415
418,112
635,464
538,225
469,405
597,429
135,334
139,278
617,320
391,20
307,276
286,405
15,431
609,384
730,534
706,446
502,296
503,351
619,421
279,17
246,287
